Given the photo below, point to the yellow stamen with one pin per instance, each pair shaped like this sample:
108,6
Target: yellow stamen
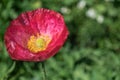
38,43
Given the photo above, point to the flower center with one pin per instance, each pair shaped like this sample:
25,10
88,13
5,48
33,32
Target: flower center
38,43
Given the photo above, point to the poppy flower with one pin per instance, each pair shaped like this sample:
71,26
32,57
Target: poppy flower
35,35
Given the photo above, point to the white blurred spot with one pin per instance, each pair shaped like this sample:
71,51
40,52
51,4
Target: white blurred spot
81,4
100,19
91,13
65,10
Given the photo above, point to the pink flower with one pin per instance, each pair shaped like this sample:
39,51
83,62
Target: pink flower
35,35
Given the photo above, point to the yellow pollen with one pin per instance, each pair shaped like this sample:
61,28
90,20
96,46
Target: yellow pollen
38,43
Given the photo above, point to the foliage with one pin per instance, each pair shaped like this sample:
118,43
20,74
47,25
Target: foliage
92,51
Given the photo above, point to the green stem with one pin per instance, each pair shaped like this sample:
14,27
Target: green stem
10,70
43,70
12,67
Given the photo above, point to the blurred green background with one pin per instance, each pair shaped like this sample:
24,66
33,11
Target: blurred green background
92,51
